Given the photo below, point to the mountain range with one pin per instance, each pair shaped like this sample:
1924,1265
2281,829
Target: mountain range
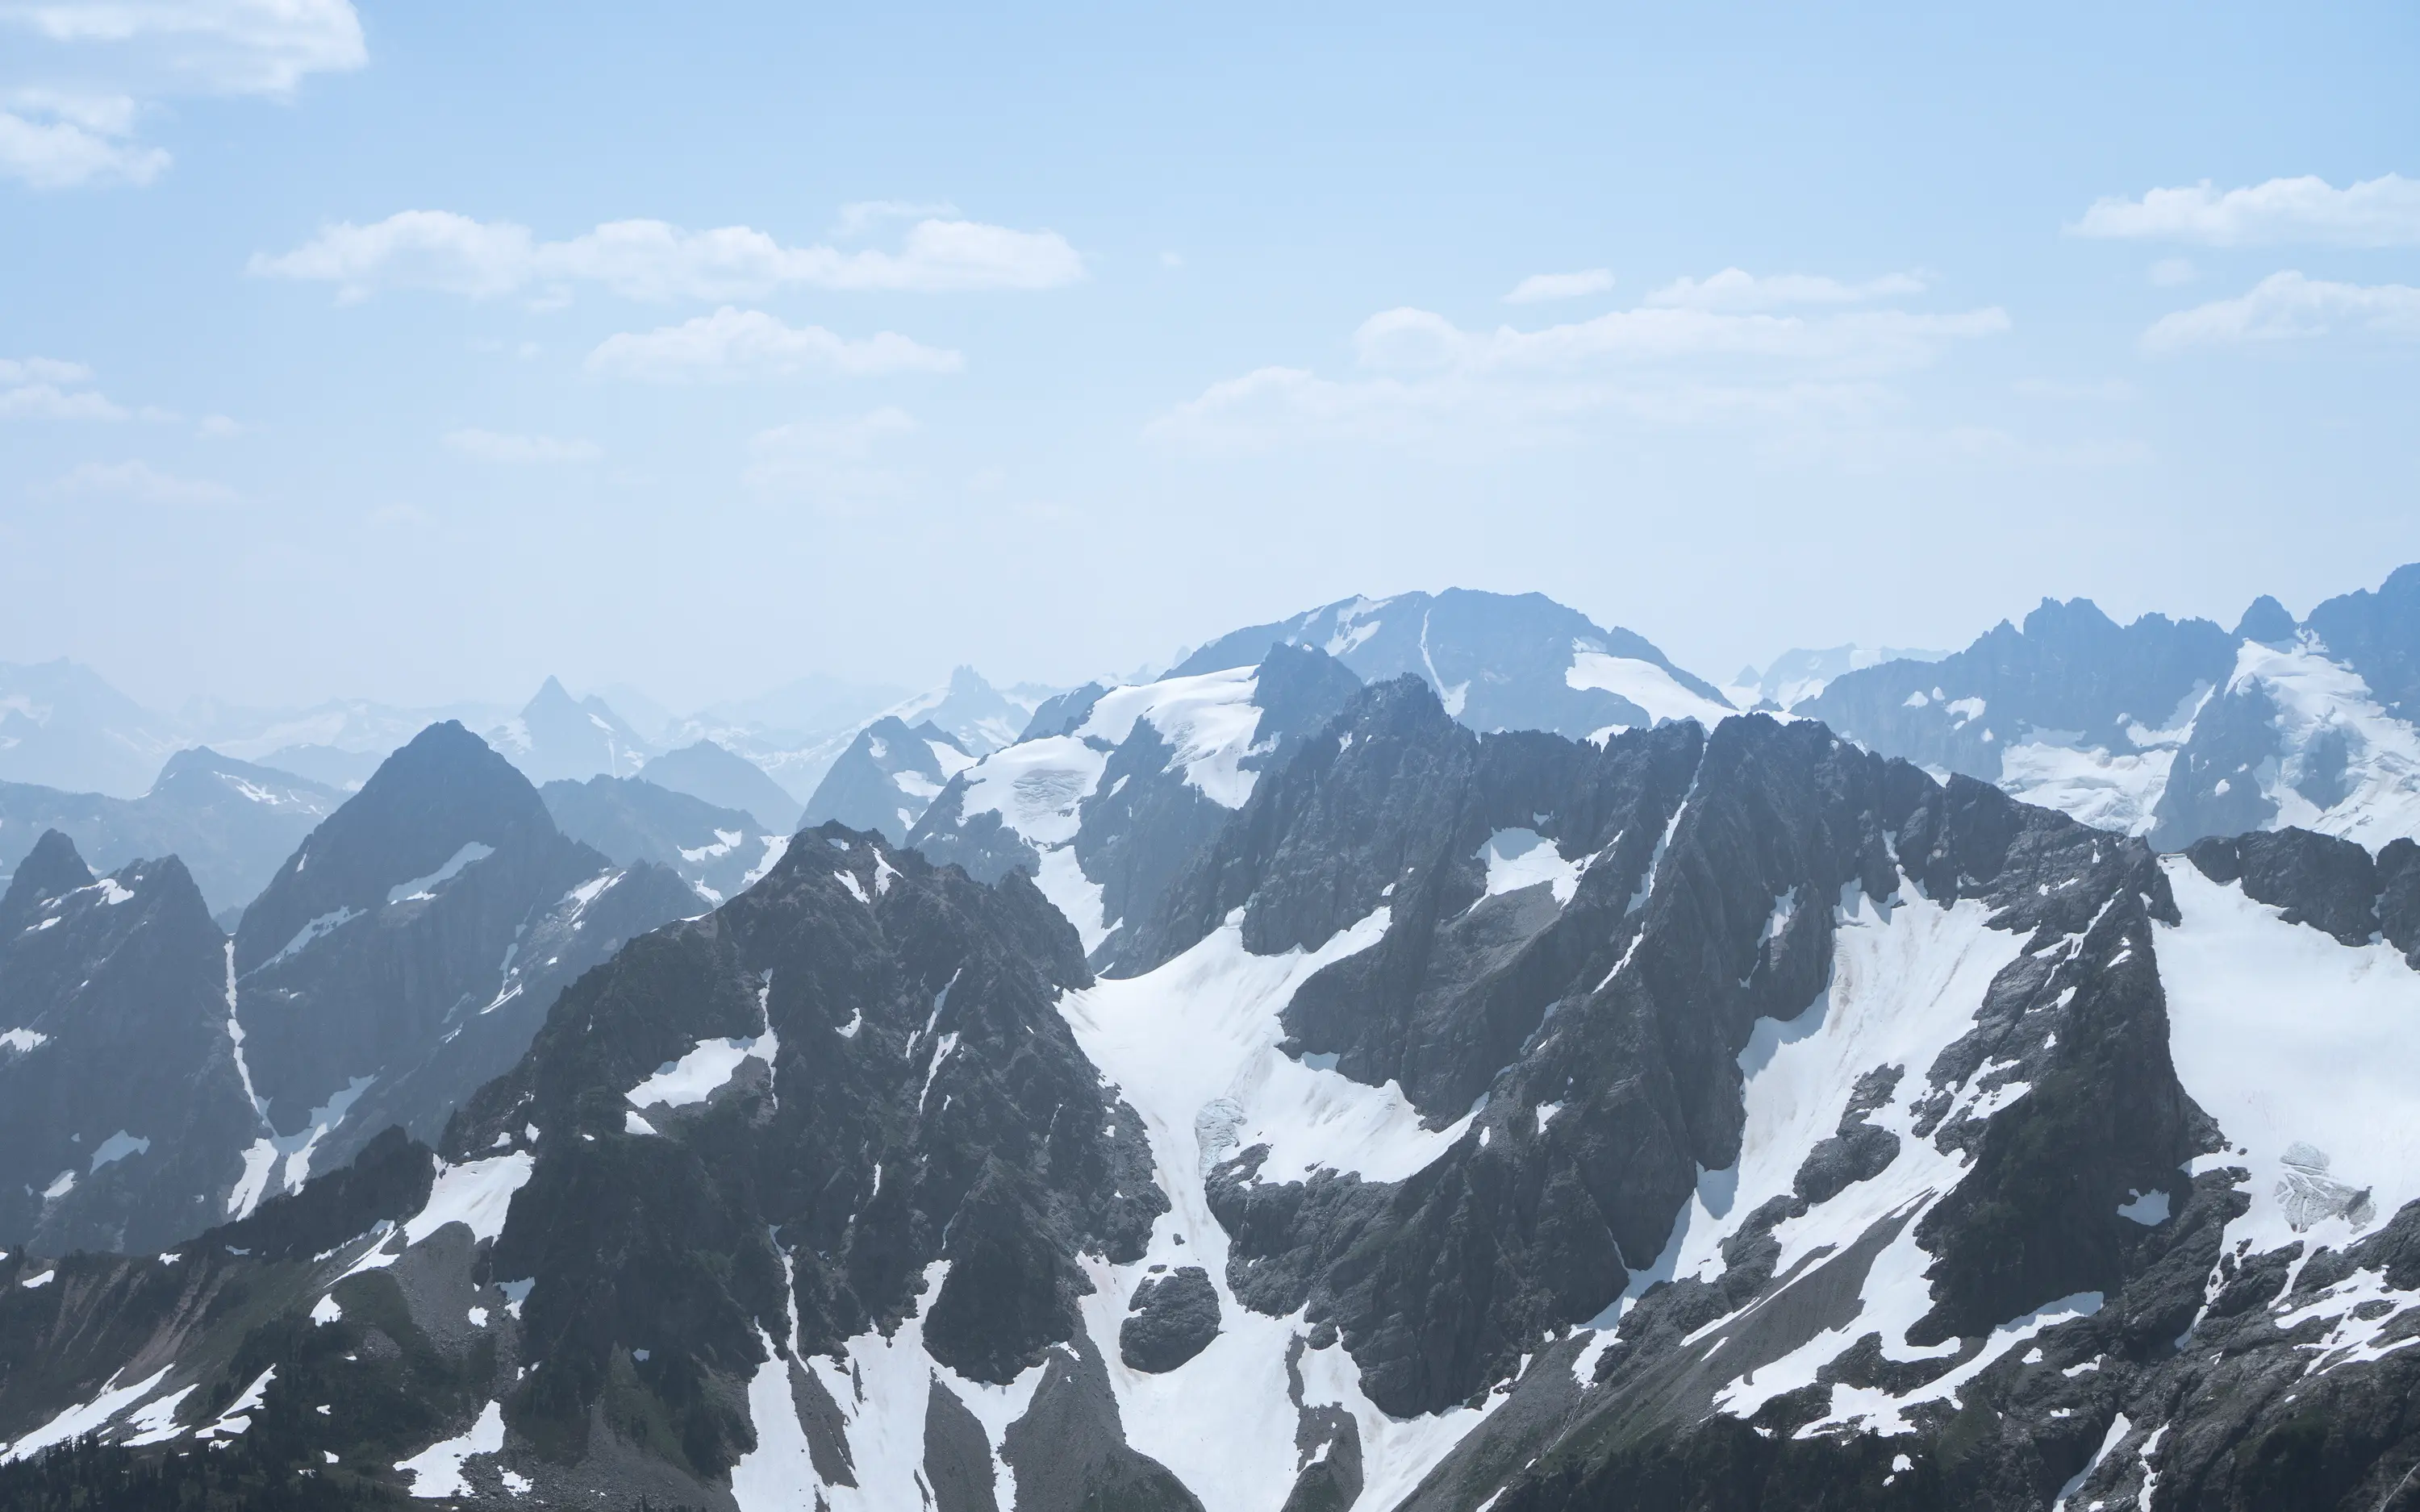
1431,1053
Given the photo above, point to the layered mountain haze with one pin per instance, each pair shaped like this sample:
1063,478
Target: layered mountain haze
720,852
556,737
232,824
889,776
1428,1053
720,776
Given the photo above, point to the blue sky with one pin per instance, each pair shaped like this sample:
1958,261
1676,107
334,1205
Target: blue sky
332,359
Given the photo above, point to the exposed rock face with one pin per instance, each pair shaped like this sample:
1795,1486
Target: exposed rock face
1131,783
1173,1317
122,1109
156,1077
1716,1119
890,772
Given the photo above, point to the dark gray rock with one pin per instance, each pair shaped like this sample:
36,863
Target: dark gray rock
122,1111
2328,884
1170,1319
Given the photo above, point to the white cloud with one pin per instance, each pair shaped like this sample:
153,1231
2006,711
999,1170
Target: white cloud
1862,341
494,446
1423,377
2287,307
141,483
1735,290
732,344
54,141
2172,272
44,387
234,47
1539,287
830,462
2375,212
140,51
861,216
656,261
2108,390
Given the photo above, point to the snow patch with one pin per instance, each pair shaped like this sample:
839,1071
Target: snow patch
2289,1038
471,853
437,1471
703,1071
1643,683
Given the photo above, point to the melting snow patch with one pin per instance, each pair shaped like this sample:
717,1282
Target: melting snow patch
2150,1209
325,1311
24,1041
304,938
1644,684
117,1148
702,1072
84,1417
1518,858
237,1417
32,1282
437,1471
2292,1040
426,887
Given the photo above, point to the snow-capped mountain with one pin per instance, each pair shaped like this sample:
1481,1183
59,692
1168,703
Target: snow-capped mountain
556,736
1105,811
2173,729
720,853
231,822
976,715
889,776
1498,661
1276,1086
1112,790
1733,1117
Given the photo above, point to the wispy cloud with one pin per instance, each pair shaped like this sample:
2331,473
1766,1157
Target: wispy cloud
861,216
497,446
1539,287
2375,212
1735,290
1422,376
141,483
2287,306
143,51
43,387
732,344
830,462
656,261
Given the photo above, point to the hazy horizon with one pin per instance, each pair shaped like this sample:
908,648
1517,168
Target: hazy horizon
419,353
